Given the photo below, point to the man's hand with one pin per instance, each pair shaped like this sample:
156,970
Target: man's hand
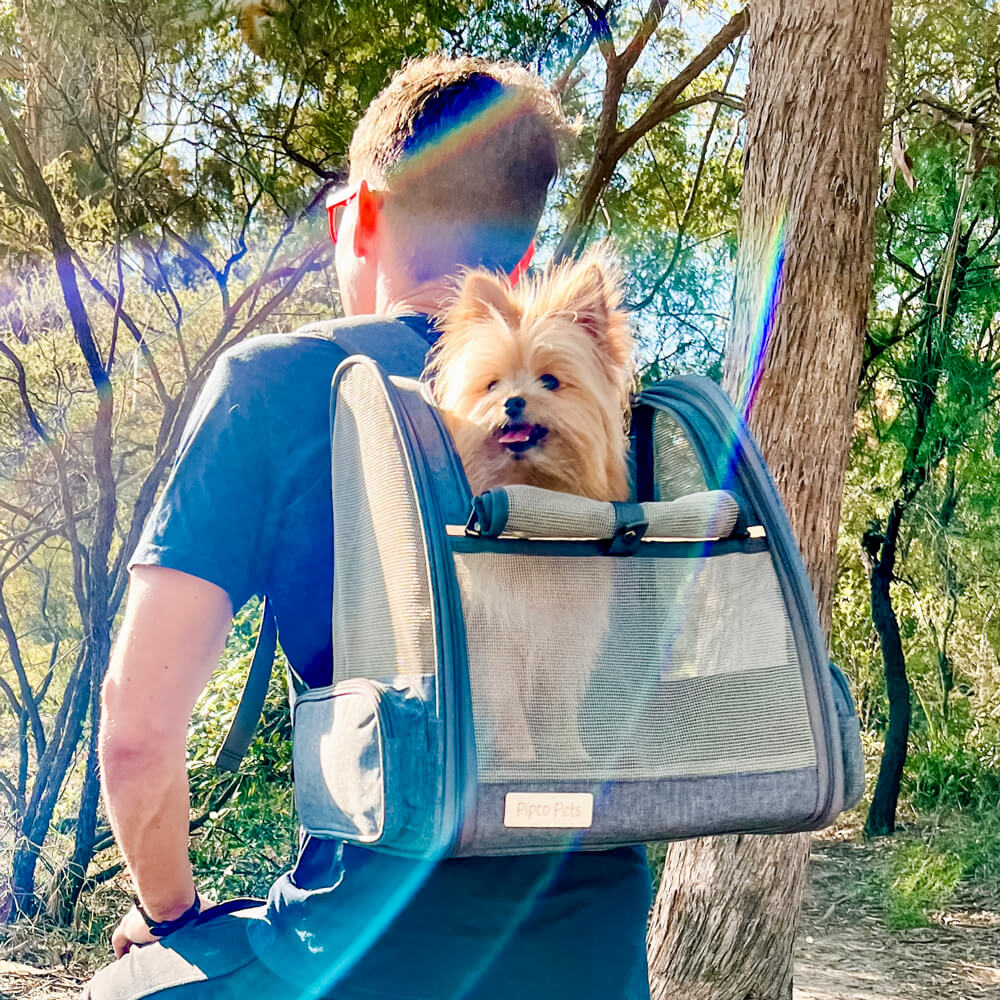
131,930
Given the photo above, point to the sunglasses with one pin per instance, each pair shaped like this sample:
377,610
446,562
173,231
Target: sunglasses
338,200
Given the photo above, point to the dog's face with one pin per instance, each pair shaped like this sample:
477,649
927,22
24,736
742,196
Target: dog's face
534,381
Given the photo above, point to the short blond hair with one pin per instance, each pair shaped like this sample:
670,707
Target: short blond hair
467,149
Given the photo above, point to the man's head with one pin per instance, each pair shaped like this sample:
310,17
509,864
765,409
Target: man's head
452,162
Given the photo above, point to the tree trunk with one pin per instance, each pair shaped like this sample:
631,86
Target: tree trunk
55,87
925,449
881,819
814,112
66,890
693,937
19,897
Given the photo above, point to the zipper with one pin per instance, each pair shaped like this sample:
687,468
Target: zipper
384,711
444,593
375,690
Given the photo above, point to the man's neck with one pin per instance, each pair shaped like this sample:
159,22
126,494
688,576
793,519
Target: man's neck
428,298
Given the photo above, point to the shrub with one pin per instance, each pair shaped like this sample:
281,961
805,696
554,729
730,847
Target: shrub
959,771
249,833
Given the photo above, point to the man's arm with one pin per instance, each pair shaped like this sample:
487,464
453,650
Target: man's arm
173,633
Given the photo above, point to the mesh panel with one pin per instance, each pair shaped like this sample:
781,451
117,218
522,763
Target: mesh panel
538,513
382,619
676,468
640,668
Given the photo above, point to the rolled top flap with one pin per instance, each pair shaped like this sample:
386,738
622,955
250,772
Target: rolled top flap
531,512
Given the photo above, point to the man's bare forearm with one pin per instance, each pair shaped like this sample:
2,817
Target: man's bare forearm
172,634
147,799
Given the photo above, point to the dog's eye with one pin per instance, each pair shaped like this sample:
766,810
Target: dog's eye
549,381
492,385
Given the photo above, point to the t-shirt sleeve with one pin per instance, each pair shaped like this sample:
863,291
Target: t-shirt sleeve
210,519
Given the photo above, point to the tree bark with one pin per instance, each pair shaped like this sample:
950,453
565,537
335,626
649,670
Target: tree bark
66,890
725,915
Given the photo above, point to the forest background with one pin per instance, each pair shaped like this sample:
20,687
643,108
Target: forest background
163,167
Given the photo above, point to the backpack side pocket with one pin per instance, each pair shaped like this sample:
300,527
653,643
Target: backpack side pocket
850,738
360,754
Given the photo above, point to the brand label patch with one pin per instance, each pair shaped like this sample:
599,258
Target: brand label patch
573,810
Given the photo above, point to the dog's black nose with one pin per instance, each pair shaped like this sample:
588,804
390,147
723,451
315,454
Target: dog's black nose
514,406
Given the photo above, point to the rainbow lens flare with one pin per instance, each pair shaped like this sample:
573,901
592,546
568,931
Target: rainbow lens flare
768,298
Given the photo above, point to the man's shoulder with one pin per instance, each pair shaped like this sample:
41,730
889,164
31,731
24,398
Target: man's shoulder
281,349
314,349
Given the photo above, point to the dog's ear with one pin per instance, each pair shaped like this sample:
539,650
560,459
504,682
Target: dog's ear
483,296
590,290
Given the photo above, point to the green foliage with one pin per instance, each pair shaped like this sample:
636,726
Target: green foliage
670,210
927,420
250,835
955,771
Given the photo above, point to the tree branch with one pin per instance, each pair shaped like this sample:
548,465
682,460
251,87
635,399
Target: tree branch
665,103
692,194
57,458
49,212
130,325
14,797
652,17
15,705
563,80
597,18
610,145
28,703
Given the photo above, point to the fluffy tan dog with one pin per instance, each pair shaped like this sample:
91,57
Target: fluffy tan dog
534,380
533,383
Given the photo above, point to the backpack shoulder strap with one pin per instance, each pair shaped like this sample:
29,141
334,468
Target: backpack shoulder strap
401,350
244,723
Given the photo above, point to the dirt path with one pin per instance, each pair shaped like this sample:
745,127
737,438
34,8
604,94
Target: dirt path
23,982
846,952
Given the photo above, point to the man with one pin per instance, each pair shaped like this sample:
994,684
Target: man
449,168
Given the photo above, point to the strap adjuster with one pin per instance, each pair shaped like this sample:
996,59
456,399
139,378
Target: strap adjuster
630,526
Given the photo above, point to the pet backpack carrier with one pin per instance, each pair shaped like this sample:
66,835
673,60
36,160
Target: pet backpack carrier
534,671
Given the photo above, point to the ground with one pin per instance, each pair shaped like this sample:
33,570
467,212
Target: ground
845,950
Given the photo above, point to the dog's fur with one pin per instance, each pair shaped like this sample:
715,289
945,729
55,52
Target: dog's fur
559,344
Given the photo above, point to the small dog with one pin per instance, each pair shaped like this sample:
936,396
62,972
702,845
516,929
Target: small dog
533,384
534,381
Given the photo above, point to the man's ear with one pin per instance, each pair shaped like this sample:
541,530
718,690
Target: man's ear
369,220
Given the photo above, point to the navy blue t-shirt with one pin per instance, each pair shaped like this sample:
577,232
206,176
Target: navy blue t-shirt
248,508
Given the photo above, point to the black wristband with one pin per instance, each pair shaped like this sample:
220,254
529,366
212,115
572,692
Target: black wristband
161,928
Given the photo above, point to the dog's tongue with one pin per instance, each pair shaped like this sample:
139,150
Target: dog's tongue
518,434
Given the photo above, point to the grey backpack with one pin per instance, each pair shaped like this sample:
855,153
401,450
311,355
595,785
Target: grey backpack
529,671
